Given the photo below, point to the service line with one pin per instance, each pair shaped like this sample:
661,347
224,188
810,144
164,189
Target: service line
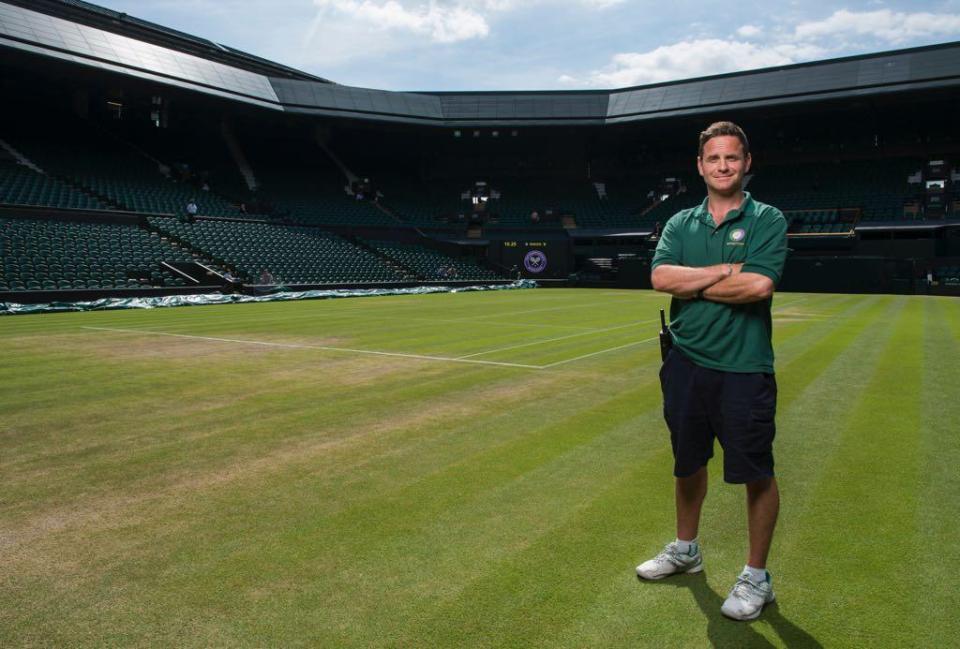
550,340
319,347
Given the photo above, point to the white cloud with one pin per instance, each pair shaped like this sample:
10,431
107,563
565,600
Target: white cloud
696,58
602,4
451,22
345,32
442,24
890,26
754,47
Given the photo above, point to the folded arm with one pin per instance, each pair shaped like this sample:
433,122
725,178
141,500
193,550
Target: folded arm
686,282
740,288
719,283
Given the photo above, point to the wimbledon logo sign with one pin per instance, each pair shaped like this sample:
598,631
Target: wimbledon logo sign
535,261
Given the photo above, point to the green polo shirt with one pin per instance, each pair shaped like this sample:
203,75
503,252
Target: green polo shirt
728,337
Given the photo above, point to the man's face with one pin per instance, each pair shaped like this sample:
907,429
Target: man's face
723,165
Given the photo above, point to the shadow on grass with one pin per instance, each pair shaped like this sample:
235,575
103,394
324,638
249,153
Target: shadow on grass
724,633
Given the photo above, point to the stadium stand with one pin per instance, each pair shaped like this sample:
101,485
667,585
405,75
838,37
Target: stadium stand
428,264
95,162
291,254
626,203
421,203
56,255
947,275
20,185
878,189
303,186
196,156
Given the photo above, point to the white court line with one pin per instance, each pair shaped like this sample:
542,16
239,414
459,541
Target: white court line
494,322
552,308
602,351
550,340
463,359
592,331
320,347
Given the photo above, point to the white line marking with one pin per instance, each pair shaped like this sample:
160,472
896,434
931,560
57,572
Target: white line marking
489,322
462,359
552,308
550,340
602,351
320,347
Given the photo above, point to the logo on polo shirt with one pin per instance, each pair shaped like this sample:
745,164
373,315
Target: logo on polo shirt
737,236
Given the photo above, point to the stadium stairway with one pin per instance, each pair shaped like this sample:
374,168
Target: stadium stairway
19,157
206,258
103,199
238,157
398,266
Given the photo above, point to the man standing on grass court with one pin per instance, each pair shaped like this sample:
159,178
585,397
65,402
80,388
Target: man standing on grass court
721,262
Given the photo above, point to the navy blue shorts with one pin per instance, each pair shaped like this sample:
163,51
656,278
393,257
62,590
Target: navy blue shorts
701,404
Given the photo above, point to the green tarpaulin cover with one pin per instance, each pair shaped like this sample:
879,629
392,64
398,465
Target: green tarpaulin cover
7,308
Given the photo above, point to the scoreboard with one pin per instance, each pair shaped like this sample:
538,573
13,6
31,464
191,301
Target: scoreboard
534,258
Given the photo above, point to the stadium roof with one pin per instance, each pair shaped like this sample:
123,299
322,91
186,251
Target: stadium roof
120,23
81,33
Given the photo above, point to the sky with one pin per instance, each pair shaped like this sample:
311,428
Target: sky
548,44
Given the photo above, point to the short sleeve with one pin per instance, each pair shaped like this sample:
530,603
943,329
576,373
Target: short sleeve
768,249
669,247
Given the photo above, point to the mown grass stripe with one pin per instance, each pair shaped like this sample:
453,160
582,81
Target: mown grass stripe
939,426
864,527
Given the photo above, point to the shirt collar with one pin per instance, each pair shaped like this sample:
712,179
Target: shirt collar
747,207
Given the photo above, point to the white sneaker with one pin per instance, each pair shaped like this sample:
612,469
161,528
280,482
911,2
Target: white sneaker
748,598
671,561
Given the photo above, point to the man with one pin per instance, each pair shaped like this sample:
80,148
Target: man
721,262
192,210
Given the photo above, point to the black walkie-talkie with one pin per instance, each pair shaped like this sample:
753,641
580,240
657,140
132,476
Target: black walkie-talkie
666,340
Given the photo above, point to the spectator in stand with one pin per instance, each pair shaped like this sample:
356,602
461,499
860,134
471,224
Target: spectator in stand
266,277
190,211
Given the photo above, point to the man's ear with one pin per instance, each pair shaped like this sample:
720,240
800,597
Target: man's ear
700,165
746,169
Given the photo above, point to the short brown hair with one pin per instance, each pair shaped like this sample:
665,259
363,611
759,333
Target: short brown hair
723,128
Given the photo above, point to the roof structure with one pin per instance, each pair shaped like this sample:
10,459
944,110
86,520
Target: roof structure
80,33
126,25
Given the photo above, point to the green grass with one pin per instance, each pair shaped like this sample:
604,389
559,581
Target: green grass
160,490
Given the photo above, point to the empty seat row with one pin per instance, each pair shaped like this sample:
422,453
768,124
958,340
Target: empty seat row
51,254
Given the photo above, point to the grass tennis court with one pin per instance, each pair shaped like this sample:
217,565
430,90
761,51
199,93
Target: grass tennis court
477,469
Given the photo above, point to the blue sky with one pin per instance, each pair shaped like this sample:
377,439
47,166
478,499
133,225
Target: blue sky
548,44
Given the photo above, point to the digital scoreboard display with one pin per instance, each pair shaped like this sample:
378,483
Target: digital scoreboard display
535,258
